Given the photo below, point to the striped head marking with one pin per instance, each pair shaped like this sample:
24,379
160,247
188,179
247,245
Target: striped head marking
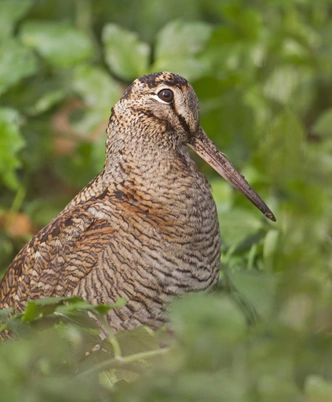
165,102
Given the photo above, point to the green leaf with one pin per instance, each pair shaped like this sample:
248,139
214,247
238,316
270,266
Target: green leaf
238,224
258,289
323,125
100,92
79,169
16,62
271,243
282,83
318,389
60,44
282,149
177,47
245,22
222,194
109,378
140,339
46,101
11,142
10,12
81,305
5,316
57,301
98,89
46,306
125,54
194,317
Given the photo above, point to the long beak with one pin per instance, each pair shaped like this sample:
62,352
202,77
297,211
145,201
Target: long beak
207,150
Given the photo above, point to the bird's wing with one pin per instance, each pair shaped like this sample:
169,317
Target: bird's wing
57,258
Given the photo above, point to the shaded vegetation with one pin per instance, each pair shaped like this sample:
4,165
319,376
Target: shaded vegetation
262,72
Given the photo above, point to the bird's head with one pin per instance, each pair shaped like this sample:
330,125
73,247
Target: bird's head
161,106
162,109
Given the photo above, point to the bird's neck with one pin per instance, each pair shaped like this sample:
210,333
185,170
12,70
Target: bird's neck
146,161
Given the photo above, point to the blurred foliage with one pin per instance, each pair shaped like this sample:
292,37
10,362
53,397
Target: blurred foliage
262,72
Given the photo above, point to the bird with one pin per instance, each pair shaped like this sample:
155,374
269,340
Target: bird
146,227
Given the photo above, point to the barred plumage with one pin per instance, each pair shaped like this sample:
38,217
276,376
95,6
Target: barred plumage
146,227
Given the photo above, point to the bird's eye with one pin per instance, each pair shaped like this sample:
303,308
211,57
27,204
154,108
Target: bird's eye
166,95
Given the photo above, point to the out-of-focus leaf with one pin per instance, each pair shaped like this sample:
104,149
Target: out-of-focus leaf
37,362
222,194
230,122
60,44
109,378
42,210
125,54
282,149
98,89
138,340
78,169
318,389
238,224
99,92
258,289
246,22
271,243
5,314
48,100
323,125
6,249
192,325
11,142
177,47
281,84
16,62
10,12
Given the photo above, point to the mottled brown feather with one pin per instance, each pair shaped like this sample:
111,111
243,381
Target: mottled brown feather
145,228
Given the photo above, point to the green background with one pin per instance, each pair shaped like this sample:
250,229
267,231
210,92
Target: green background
262,72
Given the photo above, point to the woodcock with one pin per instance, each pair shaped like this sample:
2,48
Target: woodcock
146,228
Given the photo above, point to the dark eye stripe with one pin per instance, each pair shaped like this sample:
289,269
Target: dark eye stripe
166,95
181,119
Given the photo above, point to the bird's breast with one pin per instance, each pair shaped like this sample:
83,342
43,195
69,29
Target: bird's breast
168,229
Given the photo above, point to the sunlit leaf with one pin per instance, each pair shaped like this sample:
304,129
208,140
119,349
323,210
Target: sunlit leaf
60,44
177,46
281,84
16,63
125,54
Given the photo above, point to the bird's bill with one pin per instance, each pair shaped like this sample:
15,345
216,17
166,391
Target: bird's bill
207,150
